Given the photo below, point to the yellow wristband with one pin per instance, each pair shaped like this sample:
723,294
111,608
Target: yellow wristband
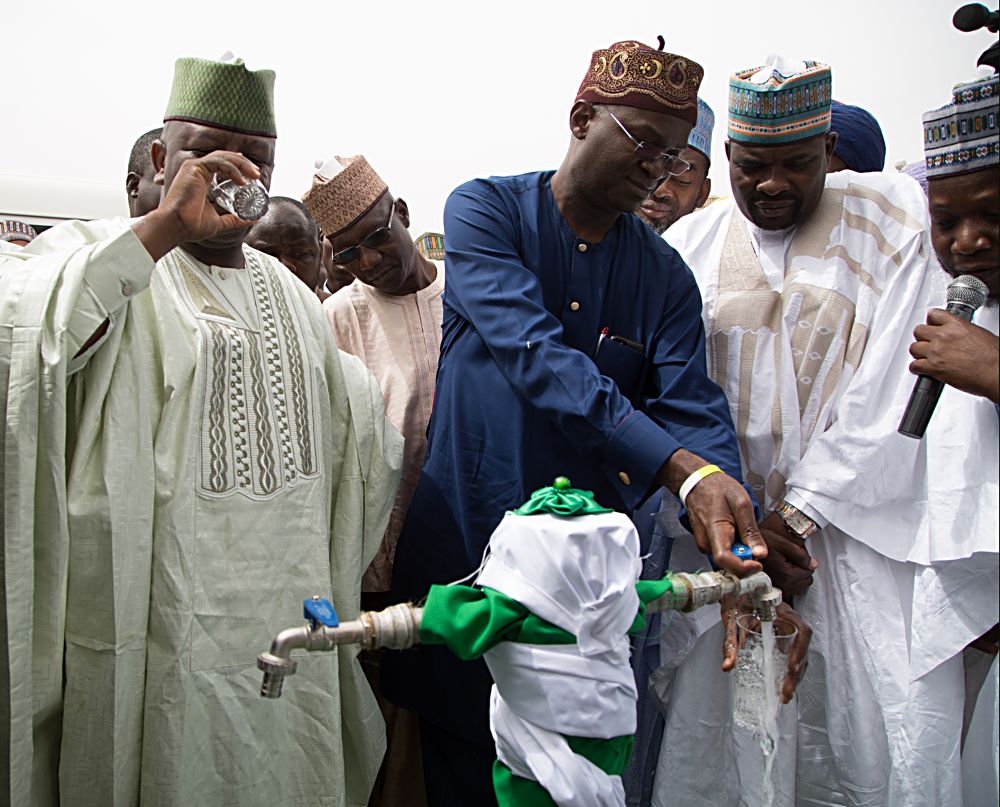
695,478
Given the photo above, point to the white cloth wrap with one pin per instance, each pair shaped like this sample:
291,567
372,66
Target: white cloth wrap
532,752
558,689
578,574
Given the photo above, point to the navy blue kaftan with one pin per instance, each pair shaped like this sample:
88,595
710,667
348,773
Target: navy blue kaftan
519,399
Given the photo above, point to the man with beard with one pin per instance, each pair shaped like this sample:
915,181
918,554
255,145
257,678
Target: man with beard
571,344
187,456
140,185
962,492
963,191
683,193
812,283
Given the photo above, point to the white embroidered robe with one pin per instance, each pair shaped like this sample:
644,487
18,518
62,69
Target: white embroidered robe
808,331
169,498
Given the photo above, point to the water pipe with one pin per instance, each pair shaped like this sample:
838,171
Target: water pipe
397,627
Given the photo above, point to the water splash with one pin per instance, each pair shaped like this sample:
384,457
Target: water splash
769,710
759,672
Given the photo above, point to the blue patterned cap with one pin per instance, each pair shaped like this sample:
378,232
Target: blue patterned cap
780,102
963,135
701,135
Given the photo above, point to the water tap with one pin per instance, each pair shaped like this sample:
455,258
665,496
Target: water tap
766,602
395,627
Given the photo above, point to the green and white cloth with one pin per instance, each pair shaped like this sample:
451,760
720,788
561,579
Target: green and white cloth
556,599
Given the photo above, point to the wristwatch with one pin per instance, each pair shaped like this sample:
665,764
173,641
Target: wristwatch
795,520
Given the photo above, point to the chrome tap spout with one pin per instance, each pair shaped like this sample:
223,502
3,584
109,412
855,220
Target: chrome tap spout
395,627
766,602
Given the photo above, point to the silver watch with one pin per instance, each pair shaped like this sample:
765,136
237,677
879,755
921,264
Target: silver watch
795,520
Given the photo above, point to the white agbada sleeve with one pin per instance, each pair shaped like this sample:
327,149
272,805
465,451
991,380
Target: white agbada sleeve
53,297
860,473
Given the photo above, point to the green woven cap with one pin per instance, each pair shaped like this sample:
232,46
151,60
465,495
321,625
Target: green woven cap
223,94
561,500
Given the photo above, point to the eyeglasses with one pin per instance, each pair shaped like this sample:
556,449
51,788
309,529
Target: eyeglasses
376,238
672,164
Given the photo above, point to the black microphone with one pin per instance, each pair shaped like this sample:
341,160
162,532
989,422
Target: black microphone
965,294
974,16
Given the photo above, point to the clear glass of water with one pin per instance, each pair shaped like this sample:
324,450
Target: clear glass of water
249,201
751,697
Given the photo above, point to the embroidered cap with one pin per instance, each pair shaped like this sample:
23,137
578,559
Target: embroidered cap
700,138
343,190
430,245
14,230
632,74
781,102
223,94
963,136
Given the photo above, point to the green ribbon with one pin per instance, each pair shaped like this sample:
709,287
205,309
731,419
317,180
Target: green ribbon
561,500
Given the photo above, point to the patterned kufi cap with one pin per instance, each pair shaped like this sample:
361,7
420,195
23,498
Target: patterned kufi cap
14,230
430,245
701,135
962,136
223,94
343,190
781,102
633,74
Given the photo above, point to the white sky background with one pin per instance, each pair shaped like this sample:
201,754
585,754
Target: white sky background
437,92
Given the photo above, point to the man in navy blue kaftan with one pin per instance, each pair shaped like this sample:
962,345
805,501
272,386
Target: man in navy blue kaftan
539,267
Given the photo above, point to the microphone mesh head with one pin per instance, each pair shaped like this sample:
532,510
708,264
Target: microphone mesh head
968,290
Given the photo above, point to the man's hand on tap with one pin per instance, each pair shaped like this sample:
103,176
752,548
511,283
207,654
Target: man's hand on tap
719,510
788,562
798,654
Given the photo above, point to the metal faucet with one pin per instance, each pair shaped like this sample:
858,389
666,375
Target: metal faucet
766,602
395,627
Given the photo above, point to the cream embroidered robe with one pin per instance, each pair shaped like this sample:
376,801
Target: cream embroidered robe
808,332
398,337
789,317
169,498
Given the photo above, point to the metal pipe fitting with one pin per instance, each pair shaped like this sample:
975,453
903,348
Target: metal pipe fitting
694,590
396,627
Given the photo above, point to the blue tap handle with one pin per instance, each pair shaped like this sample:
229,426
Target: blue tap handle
742,551
318,610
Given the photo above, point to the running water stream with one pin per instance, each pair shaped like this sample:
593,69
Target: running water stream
760,668
768,725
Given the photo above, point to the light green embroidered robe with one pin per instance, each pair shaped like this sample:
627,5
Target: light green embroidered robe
169,498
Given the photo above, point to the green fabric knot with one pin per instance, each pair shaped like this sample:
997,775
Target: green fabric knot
561,500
